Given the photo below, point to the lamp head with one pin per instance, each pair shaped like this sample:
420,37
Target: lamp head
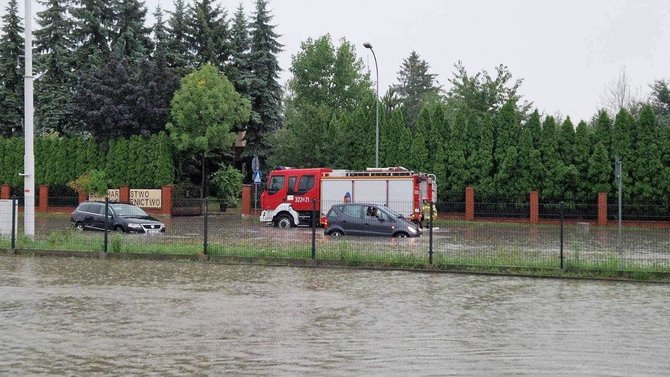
367,45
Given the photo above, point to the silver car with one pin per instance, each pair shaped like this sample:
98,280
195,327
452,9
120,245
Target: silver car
363,219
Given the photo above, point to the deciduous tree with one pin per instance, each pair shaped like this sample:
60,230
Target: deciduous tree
204,111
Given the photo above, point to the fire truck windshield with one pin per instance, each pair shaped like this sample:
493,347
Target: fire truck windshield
276,183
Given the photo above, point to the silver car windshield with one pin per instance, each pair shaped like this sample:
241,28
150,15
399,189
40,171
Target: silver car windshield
127,210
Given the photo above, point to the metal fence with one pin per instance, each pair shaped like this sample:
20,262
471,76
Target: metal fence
209,228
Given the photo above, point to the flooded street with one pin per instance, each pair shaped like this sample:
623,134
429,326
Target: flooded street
69,316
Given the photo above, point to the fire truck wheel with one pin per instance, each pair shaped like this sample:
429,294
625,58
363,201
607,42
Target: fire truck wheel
284,221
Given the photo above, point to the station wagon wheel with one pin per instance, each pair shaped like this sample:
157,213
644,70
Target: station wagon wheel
336,233
79,226
284,221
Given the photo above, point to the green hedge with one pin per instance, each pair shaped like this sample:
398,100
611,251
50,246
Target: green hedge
143,162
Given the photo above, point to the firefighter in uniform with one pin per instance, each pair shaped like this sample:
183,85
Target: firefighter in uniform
425,212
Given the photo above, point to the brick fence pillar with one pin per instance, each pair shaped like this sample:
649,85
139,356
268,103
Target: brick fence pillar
5,191
44,198
246,199
602,208
469,203
166,200
82,196
124,194
534,207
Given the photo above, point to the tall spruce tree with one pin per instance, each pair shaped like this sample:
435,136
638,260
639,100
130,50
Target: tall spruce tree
129,35
54,68
239,69
265,91
416,86
93,22
179,56
208,30
11,72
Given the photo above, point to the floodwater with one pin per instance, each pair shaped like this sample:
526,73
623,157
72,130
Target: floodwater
70,316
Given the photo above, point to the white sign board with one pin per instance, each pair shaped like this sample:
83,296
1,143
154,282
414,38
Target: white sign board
145,198
6,218
112,194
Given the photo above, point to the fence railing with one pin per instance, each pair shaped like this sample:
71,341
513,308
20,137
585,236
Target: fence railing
491,244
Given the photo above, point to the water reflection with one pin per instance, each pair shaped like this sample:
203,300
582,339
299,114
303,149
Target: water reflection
78,316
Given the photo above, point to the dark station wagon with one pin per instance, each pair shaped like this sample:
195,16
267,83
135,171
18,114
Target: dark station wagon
125,218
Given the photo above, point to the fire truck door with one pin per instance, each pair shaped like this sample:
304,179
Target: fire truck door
302,200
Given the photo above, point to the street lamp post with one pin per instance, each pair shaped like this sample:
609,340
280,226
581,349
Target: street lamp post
29,155
368,45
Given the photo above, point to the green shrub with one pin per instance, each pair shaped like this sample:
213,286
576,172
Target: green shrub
227,182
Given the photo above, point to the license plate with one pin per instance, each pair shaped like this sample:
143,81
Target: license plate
153,231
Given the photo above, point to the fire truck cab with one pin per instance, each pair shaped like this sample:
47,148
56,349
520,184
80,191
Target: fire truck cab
290,196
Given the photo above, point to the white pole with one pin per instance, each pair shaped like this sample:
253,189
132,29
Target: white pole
369,46
29,157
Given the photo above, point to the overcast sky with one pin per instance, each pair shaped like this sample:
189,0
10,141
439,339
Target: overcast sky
566,51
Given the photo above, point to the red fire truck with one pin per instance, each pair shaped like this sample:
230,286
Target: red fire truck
291,194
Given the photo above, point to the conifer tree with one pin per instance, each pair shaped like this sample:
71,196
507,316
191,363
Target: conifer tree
208,33
458,173
440,125
54,65
178,55
129,35
600,170
11,72
647,166
480,161
93,22
582,154
265,91
416,87
418,157
529,164
566,141
534,126
553,166
603,130
506,131
507,178
239,69
395,142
